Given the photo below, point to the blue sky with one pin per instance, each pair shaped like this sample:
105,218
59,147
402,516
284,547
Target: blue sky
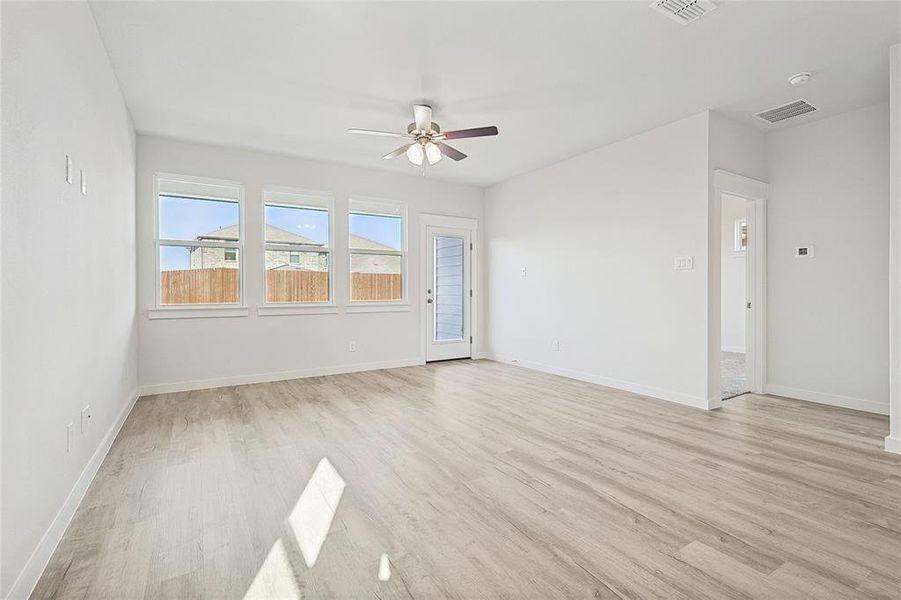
187,218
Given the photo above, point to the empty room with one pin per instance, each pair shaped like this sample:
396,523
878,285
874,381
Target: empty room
450,300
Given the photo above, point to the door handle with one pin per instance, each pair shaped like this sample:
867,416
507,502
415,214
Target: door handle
429,300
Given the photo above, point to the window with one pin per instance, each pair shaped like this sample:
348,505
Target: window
377,251
199,241
297,247
741,235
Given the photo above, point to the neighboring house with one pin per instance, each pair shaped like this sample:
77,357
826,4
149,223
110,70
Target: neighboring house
218,258
212,258
372,263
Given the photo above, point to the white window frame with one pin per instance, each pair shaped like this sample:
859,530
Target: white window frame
197,187
388,208
291,197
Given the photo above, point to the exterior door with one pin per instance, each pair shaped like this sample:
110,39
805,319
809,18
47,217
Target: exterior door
448,293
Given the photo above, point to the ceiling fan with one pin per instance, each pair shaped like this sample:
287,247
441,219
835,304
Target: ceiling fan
428,139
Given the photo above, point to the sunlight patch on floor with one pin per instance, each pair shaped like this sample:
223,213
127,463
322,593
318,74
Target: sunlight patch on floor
275,579
312,516
384,568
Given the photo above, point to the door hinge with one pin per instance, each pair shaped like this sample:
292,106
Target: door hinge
470,339
470,293
749,305
470,245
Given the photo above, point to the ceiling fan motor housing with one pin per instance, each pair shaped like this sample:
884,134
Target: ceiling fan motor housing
435,129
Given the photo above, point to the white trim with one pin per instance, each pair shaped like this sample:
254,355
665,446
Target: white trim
756,192
448,221
272,310
196,312
739,185
376,307
298,198
384,207
894,320
870,406
627,386
199,182
28,577
204,384
426,220
733,349
893,444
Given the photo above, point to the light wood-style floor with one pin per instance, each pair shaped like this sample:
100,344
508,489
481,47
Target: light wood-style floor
482,480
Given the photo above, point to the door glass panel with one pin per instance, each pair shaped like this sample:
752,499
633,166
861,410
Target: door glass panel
448,288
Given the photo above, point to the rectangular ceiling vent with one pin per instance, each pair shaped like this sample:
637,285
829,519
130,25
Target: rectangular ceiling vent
684,11
786,111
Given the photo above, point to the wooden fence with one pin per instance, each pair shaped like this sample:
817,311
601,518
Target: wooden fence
296,286
221,286
375,286
200,286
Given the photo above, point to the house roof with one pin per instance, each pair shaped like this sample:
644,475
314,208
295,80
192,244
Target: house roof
273,234
283,236
360,243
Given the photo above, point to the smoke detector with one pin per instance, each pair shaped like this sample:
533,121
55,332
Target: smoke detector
799,79
683,11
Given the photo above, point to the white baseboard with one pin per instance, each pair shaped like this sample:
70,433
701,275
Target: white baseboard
37,562
627,386
893,444
205,384
830,399
733,349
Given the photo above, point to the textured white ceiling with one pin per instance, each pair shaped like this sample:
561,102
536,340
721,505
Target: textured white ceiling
556,78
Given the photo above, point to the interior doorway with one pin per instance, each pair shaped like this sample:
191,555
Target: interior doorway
740,205
734,297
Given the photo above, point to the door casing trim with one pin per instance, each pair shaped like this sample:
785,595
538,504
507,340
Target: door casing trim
425,221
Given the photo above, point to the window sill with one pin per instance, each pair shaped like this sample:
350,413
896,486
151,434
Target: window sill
276,310
197,312
377,307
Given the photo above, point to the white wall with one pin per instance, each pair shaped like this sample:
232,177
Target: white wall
597,235
893,442
732,294
828,315
192,353
68,264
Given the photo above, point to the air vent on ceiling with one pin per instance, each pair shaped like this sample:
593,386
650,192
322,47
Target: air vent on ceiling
786,111
684,11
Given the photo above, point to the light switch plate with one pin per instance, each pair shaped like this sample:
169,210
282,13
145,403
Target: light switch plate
683,263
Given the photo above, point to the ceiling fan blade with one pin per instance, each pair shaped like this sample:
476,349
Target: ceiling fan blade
399,151
374,132
449,152
422,116
470,133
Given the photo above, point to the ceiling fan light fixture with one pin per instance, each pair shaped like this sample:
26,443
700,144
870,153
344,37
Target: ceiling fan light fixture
432,153
415,154
426,141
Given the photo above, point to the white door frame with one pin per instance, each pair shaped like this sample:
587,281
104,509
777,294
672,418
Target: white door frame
425,221
757,193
